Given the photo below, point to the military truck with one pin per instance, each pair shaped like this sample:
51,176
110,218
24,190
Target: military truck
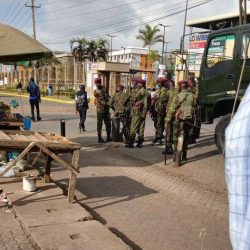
219,77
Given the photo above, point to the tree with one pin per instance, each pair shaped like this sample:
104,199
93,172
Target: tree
78,47
149,36
153,56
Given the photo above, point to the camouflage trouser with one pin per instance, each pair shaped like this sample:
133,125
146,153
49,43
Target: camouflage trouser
105,116
125,120
159,122
137,127
185,126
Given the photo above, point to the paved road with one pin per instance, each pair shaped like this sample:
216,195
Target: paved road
149,205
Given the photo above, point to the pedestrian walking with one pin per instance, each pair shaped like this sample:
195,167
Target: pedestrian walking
102,101
181,111
119,103
82,105
34,98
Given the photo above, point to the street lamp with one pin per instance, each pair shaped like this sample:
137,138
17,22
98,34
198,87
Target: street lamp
184,31
111,39
163,43
166,51
123,53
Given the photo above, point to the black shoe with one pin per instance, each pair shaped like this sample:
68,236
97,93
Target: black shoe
155,140
33,119
39,119
139,145
129,145
100,140
158,142
109,139
184,156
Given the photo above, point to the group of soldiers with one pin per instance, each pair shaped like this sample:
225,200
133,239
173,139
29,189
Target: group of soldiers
171,110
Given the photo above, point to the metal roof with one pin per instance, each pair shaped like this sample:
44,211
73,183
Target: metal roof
217,22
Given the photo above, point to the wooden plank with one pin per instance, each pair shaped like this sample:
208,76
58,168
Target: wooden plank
47,169
40,137
57,159
72,181
4,136
13,163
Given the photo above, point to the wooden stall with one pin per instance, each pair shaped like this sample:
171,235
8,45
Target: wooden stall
50,145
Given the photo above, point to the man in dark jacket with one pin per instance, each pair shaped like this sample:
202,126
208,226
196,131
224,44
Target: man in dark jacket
34,98
82,105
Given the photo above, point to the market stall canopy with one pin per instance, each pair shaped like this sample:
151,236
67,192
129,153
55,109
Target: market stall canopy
17,46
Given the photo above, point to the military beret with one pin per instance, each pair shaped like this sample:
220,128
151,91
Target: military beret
183,82
135,79
142,81
98,80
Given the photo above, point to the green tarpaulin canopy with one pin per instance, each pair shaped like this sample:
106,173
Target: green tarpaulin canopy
17,46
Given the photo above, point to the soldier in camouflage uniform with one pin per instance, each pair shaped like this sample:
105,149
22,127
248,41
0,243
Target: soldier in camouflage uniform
160,110
119,103
102,107
181,110
172,92
138,104
195,130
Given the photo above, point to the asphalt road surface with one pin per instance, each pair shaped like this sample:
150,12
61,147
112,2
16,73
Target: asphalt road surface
131,191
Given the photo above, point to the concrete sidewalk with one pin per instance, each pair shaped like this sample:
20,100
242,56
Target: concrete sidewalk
51,223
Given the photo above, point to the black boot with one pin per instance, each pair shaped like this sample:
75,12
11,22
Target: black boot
130,143
83,127
158,141
184,156
80,127
109,139
139,143
100,139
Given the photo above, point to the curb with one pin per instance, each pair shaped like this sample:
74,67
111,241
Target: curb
43,98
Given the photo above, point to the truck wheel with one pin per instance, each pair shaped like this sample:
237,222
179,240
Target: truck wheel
219,135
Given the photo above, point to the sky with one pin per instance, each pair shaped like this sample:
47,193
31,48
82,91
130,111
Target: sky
58,21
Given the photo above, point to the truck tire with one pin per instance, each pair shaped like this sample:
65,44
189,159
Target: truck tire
219,135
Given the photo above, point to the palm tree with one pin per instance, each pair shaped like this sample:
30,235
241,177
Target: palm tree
149,36
101,49
78,46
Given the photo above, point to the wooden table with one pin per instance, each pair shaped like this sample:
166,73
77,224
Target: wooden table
50,145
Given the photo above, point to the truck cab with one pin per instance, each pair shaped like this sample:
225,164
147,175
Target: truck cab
219,76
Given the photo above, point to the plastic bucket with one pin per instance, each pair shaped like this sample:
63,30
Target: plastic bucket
27,123
29,183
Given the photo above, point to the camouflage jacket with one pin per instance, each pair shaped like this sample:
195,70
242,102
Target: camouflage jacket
182,106
101,100
171,94
138,101
119,102
161,100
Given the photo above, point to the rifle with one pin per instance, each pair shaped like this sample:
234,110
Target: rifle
168,141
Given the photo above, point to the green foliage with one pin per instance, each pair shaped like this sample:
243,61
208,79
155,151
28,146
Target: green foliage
153,55
72,93
149,35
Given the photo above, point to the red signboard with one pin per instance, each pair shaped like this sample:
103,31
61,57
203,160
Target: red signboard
197,45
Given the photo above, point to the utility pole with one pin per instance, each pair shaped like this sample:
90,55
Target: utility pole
243,12
33,6
163,42
123,53
111,40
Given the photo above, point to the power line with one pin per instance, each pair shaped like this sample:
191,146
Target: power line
98,28
33,6
12,11
21,18
90,12
113,16
17,14
137,25
8,11
69,7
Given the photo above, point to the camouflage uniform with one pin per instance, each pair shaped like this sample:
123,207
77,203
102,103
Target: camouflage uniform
160,112
138,113
169,133
102,107
195,130
181,110
119,102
